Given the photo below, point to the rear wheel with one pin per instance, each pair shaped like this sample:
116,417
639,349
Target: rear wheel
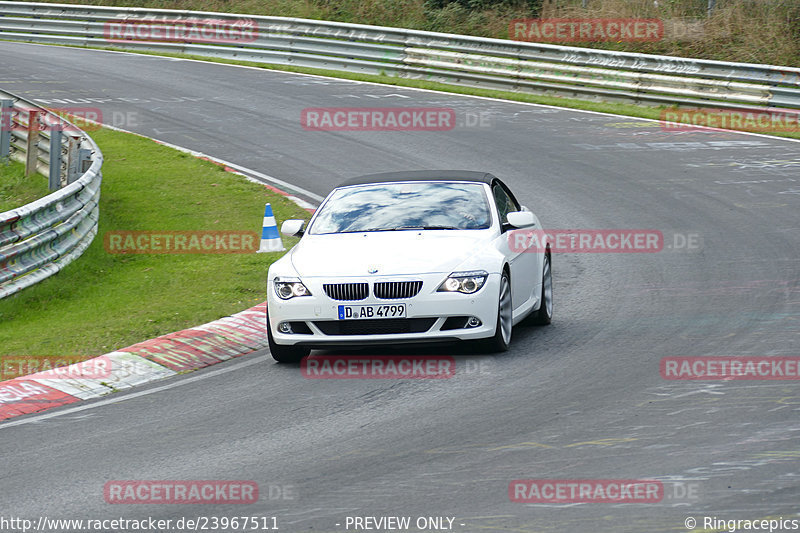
544,315
285,354
505,319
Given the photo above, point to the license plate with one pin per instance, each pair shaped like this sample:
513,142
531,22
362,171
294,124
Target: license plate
361,312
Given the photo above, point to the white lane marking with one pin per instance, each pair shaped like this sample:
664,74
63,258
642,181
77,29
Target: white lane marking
123,396
302,203
265,177
545,106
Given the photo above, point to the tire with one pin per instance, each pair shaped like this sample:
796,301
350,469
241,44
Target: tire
544,315
285,354
505,319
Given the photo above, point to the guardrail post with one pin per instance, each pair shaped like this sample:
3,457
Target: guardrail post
32,144
78,159
54,178
84,161
73,144
711,4
6,122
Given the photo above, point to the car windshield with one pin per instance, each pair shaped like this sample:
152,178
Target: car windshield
404,206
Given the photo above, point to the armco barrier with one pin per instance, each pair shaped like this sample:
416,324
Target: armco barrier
456,59
38,239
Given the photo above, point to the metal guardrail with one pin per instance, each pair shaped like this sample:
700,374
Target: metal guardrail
38,239
456,59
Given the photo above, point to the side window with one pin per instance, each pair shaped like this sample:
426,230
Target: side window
505,204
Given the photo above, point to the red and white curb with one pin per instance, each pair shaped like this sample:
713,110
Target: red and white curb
147,361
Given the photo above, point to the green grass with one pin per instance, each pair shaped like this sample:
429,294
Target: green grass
104,301
15,189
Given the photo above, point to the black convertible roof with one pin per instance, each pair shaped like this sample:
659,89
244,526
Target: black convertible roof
422,175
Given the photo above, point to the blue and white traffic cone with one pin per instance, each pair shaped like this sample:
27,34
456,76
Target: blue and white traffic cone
270,238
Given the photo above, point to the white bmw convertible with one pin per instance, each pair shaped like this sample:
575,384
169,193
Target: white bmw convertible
422,256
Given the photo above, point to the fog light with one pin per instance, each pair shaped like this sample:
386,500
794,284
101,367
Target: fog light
284,327
473,322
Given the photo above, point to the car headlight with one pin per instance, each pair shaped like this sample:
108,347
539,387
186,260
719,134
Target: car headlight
287,288
464,282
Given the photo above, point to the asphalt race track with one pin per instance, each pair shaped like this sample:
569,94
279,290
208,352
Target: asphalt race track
580,399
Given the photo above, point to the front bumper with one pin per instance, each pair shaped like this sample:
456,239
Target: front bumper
430,316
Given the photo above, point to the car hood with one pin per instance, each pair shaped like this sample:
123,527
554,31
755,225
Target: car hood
390,252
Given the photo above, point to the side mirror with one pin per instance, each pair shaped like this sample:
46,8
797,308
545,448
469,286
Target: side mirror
292,227
521,219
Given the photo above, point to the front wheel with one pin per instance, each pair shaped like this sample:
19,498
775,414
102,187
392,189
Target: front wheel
285,354
505,319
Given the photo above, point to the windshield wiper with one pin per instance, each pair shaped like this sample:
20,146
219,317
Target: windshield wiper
397,228
365,230
423,227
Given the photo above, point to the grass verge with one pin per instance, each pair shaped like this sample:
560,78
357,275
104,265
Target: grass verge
15,189
105,301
